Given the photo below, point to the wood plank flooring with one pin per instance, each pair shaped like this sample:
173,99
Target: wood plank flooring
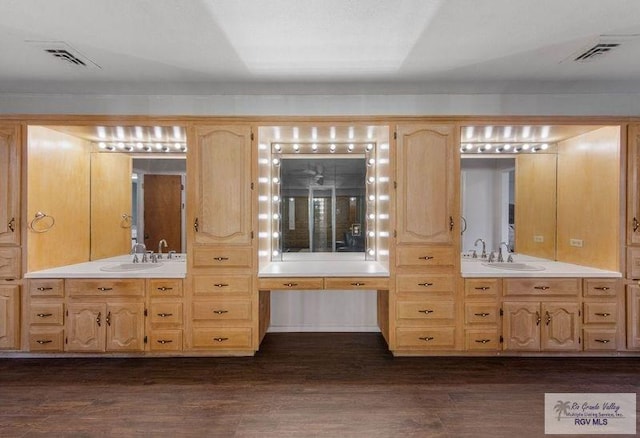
298,385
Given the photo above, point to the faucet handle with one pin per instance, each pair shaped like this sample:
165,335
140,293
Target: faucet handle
500,258
474,254
510,259
492,257
171,253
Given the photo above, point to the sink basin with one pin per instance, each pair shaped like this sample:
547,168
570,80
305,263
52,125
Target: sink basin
514,266
130,267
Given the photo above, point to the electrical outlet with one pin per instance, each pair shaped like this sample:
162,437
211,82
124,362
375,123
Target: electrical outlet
538,239
576,242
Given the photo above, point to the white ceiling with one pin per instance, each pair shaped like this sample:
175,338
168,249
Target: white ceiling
319,46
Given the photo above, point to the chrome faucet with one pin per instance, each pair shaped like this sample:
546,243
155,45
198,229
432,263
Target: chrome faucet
138,248
500,258
484,248
161,244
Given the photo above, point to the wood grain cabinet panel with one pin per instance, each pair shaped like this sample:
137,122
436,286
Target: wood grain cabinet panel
125,327
633,317
46,288
425,166
291,283
430,312
481,313
521,326
542,287
105,288
222,257
221,310
425,338
10,263
46,339
598,339
600,312
601,287
364,283
489,288
220,164
222,338
212,285
165,340
46,313
163,288
425,256
86,328
9,317
482,339
633,190
10,185
561,326
428,283
166,313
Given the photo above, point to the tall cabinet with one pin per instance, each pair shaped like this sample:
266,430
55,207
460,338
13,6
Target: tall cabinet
10,251
633,238
424,304
222,298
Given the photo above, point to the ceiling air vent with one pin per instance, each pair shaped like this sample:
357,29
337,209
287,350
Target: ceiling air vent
596,51
64,52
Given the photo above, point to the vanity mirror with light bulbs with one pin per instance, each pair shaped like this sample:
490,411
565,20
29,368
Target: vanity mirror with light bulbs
543,190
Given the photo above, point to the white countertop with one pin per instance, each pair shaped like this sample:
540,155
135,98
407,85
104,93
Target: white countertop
165,268
479,268
324,265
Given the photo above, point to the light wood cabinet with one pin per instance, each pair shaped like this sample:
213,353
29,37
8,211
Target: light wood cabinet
633,185
45,313
105,315
425,176
10,185
219,169
10,263
602,319
98,327
633,317
546,326
9,319
482,314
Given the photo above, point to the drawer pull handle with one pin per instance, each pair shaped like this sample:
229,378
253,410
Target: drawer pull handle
548,318
604,314
357,284
42,289
605,288
220,312
164,341
108,319
482,314
425,311
542,287
165,315
426,338
164,288
220,339
44,315
482,288
104,289
44,341
220,259
99,320
221,285
635,225
538,318
425,284
483,341
603,341
290,284
425,258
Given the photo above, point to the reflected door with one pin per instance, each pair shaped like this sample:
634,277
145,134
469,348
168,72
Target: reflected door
322,215
163,211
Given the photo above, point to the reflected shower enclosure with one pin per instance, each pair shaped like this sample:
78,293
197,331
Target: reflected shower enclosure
323,206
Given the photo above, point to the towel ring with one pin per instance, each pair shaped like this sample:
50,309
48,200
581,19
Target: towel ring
45,226
126,220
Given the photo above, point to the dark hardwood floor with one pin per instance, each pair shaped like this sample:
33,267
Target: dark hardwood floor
298,385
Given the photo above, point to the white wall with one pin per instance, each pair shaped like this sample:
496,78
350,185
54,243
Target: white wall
236,105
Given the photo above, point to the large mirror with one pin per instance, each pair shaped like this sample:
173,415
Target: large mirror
323,203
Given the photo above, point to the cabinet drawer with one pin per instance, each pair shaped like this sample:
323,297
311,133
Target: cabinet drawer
10,262
600,339
294,283
601,287
46,313
105,288
366,283
217,284
600,313
480,313
441,312
633,263
46,288
224,257
165,340
482,287
542,287
165,312
482,340
165,287
46,339
425,338
425,283
221,338
221,310
425,256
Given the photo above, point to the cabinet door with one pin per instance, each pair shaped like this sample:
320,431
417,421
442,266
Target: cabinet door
9,299
633,185
426,184
220,163
86,327
125,327
560,326
633,317
521,326
9,185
